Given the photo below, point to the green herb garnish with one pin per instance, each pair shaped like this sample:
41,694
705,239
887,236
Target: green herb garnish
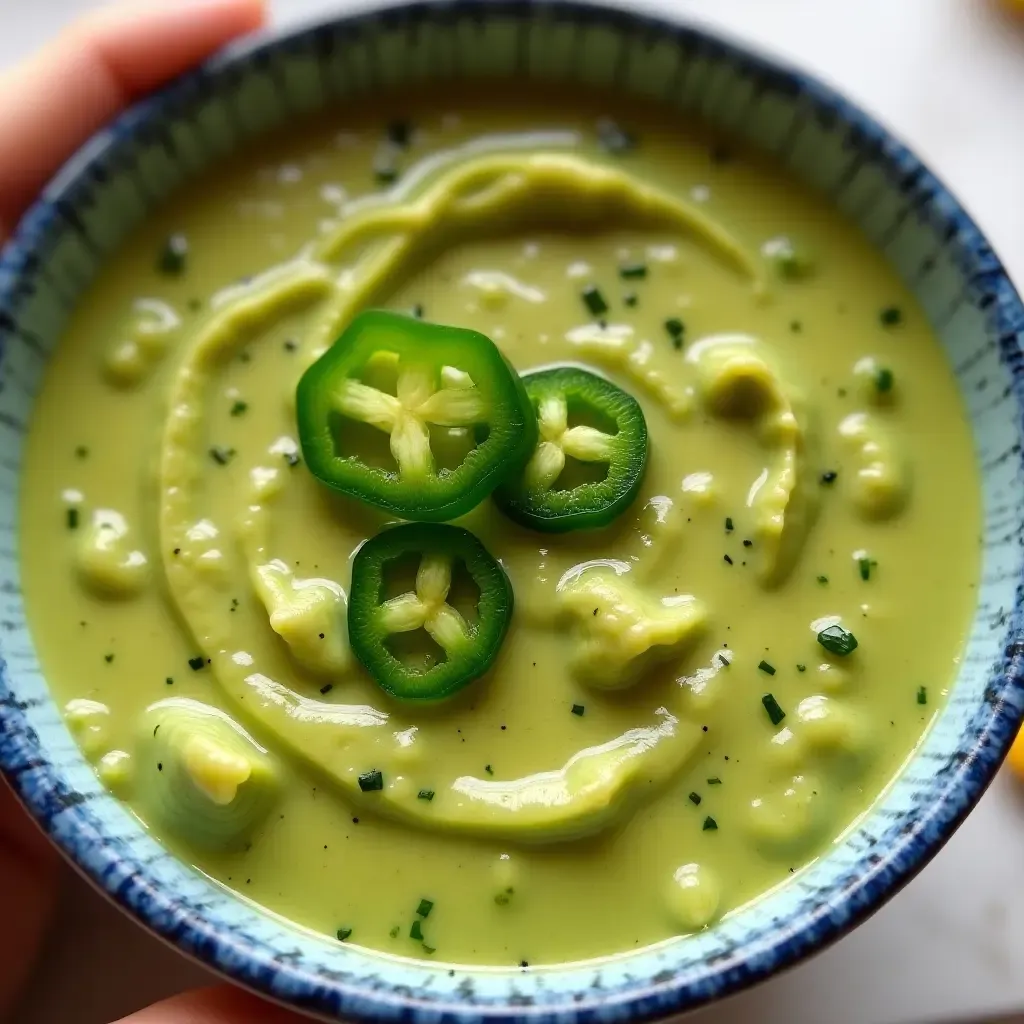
922,695
425,794
578,709
801,668
372,781
428,949
829,476
864,564
222,456
196,663
695,799
633,271
72,518
174,255
81,452
488,769
394,932
883,380
594,300
771,705
710,825
728,559
823,580
326,689
716,781
629,299
344,933
728,524
239,408
676,329
891,316
765,667
425,907
416,931
837,640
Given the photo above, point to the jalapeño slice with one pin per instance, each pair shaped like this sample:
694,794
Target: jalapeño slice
445,380
469,647
561,395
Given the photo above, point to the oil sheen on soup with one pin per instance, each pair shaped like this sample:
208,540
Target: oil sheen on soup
693,699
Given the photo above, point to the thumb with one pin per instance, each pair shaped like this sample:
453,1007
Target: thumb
56,99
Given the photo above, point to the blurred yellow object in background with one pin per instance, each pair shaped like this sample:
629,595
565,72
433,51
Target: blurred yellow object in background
1014,6
1015,758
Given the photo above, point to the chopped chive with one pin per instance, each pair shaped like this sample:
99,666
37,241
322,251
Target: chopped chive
594,300
883,380
633,271
728,524
795,326
326,689
771,705
292,458
108,658
891,316
174,255
429,949
417,311
399,132
823,580
864,564
416,931
801,668
394,932
344,933
829,476
169,680
239,408
716,781
222,456
425,907
922,695
578,709
488,769
837,640
290,345
676,329
629,299
503,899
72,518
710,825
748,543
765,667
425,794
612,138
81,452
722,660
196,663
372,781
695,799
728,559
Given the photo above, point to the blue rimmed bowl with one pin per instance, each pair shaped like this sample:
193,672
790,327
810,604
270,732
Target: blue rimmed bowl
252,87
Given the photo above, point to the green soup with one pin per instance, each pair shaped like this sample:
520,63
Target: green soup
667,731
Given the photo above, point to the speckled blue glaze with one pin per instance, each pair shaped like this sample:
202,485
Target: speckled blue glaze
130,166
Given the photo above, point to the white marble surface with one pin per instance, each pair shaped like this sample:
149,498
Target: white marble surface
947,76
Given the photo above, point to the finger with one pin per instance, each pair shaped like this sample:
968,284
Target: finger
220,1004
54,101
28,877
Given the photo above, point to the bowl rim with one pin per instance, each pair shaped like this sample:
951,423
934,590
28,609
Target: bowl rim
46,791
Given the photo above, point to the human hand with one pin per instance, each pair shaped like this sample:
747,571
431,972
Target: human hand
51,104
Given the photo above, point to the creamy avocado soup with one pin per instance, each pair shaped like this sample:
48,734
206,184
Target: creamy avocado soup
503,531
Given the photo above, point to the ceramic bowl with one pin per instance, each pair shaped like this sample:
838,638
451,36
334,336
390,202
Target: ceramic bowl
910,216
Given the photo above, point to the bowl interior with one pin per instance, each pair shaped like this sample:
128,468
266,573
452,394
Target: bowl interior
907,213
